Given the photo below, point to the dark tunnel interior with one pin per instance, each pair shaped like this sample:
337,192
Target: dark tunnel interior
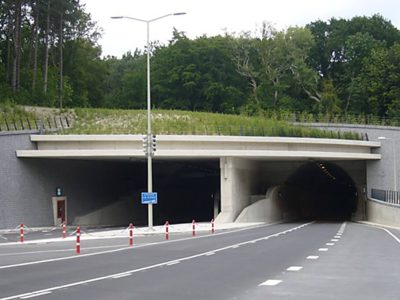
186,190
319,191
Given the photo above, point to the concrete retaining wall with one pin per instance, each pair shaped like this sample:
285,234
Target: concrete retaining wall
27,185
383,213
264,210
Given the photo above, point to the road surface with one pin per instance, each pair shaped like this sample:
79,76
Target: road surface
313,260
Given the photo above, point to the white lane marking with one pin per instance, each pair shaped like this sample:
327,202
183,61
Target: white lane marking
130,271
122,249
337,236
59,250
392,235
31,295
210,253
270,282
59,240
294,268
334,240
323,249
122,275
172,263
330,244
313,257
235,246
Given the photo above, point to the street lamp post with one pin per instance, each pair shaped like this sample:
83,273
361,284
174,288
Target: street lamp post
394,160
149,151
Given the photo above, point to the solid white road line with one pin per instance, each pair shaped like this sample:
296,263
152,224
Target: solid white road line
125,248
34,295
83,282
60,250
270,282
313,257
172,263
392,235
294,268
122,275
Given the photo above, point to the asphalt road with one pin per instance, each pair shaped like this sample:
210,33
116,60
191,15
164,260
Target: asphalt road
285,261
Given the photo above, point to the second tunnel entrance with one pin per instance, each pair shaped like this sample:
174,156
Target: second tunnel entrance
319,191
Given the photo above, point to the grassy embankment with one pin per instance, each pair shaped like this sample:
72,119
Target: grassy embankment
107,121
114,121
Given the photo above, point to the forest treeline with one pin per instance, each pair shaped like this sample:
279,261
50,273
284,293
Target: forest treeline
49,56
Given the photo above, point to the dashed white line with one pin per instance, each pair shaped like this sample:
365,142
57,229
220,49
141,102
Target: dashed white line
334,240
270,282
323,249
330,244
337,236
313,257
294,268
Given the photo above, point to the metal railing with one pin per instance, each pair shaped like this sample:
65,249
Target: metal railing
22,123
388,196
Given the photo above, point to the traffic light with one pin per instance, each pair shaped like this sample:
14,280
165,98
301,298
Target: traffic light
145,144
153,144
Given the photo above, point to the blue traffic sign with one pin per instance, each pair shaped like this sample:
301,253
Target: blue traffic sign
149,198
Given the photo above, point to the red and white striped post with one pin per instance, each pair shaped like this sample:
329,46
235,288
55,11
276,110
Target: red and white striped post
212,226
193,228
130,234
64,230
21,233
166,230
78,240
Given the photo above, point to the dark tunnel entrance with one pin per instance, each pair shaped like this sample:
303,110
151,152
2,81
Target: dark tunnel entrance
187,190
319,191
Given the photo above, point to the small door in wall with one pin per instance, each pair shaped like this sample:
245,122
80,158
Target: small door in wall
59,210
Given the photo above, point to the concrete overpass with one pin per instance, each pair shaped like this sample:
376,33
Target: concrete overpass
260,178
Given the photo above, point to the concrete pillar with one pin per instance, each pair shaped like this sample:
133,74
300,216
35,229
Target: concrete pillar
239,180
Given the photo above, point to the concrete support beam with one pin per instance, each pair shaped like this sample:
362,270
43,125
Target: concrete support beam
239,180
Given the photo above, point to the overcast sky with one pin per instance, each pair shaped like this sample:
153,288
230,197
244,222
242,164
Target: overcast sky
213,17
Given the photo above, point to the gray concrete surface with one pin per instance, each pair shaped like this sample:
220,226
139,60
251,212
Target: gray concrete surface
350,261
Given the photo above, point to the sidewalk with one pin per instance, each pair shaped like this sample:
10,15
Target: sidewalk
124,233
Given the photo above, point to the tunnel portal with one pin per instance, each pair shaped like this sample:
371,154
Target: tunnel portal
319,191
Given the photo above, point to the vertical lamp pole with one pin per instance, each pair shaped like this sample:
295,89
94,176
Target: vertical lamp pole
394,160
149,152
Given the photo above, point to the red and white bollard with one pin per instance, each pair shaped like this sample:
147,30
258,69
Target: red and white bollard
78,240
130,234
64,230
166,230
21,233
212,226
193,228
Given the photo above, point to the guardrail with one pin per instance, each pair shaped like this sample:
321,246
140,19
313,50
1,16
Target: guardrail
388,196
